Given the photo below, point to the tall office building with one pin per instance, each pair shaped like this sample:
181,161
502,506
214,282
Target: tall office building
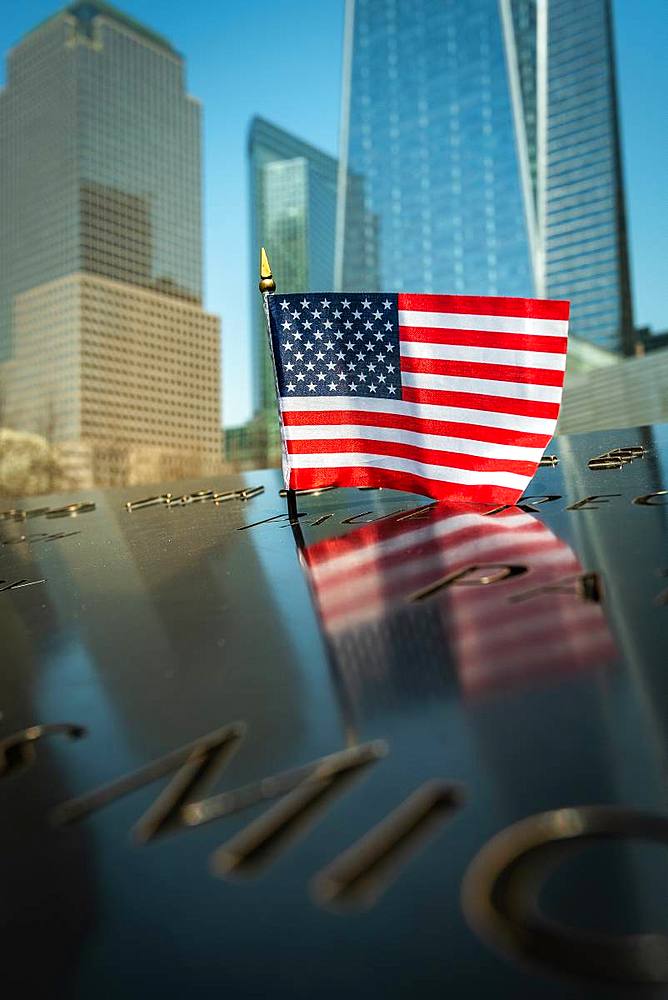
585,240
105,342
487,134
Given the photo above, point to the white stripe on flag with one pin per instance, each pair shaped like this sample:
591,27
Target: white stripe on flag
464,446
484,387
452,414
469,477
483,355
488,324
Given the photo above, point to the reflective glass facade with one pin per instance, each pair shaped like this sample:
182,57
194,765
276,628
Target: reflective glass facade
520,19
428,122
486,132
99,160
293,214
586,257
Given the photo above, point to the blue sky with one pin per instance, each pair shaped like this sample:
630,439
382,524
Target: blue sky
283,60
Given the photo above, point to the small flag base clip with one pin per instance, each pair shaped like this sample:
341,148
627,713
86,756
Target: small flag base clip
293,512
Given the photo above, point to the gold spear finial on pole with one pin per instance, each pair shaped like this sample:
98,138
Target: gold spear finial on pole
267,283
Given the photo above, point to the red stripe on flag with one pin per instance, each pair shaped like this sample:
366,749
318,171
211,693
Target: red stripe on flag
456,493
477,369
484,338
445,428
486,306
431,456
474,401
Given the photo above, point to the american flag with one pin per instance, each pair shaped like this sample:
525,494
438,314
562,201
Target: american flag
507,631
450,396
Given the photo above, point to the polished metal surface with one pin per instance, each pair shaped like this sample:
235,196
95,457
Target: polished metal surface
249,757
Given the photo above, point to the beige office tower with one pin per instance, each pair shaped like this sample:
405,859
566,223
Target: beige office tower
125,380
105,348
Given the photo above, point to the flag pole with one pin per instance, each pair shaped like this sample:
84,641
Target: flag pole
266,286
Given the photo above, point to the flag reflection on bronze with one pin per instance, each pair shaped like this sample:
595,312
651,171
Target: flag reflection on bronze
445,591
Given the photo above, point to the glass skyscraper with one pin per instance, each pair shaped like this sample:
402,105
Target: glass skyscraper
293,213
293,189
100,239
293,205
585,242
486,132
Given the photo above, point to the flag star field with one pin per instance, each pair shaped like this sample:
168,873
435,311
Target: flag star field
337,345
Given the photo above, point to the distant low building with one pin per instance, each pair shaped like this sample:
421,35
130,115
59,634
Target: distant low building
647,340
246,447
603,390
